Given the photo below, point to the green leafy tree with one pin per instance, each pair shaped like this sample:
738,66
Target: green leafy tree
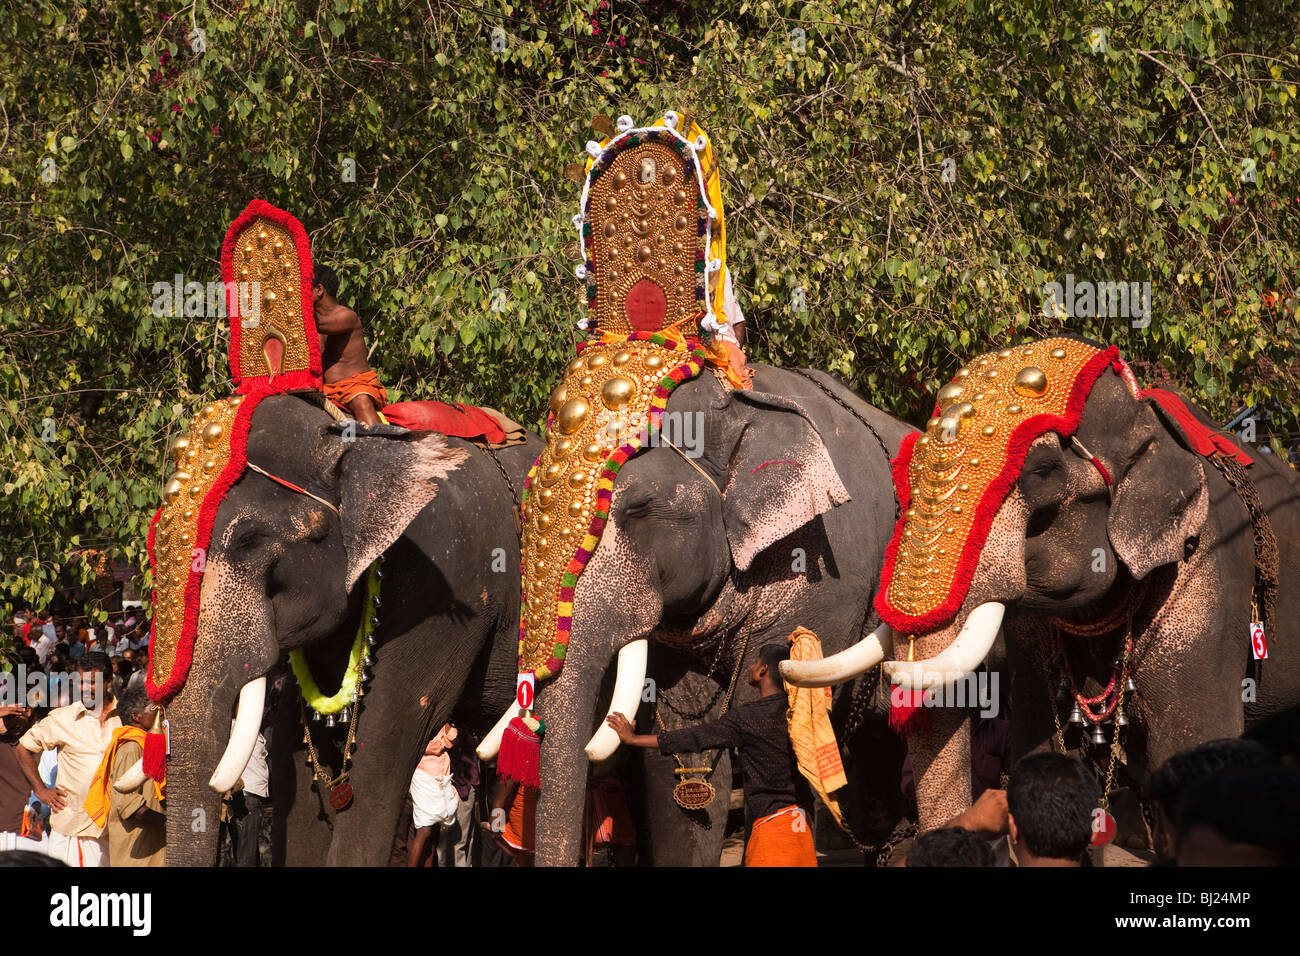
901,182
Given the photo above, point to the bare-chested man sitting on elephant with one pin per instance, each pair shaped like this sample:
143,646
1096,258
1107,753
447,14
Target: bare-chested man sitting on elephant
349,381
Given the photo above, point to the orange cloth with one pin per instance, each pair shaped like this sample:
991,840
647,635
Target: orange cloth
717,354
783,838
520,824
97,798
344,390
811,733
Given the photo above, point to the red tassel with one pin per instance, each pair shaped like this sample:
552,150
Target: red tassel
906,711
155,756
520,756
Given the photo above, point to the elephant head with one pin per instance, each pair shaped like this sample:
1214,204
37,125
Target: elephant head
1095,493
279,574
731,475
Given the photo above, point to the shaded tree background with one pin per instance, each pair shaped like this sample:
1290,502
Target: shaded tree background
1114,160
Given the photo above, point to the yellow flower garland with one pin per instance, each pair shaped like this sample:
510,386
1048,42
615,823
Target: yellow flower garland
348,689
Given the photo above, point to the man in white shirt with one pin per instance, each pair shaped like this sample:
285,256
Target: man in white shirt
82,732
44,645
247,805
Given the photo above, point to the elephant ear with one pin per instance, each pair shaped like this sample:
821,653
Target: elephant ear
1161,501
780,476
386,477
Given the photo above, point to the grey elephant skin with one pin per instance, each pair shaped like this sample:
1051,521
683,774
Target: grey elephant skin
1059,546
784,523
282,572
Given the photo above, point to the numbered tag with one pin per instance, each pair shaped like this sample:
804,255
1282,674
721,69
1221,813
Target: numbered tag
1258,643
524,690
167,736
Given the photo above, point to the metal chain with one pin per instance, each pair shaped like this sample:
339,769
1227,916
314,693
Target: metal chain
731,689
519,518
312,757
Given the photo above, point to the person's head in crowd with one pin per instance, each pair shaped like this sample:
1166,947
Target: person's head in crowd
952,846
28,657
1280,733
1244,816
128,655
43,616
1051,799
134,706
1182,773
768,664
123,668
95,671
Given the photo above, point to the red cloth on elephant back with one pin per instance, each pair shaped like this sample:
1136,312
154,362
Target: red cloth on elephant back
449,418
1204,441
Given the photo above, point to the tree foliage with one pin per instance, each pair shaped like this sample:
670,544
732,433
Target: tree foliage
912,173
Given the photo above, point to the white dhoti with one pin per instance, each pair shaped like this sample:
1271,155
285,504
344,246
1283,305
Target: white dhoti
78,851
433,799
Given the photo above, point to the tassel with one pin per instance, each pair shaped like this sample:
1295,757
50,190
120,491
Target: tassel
520,756
155,750
907,711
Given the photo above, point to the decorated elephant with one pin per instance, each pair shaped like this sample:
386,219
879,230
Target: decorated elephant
675,504
383,562
1124,545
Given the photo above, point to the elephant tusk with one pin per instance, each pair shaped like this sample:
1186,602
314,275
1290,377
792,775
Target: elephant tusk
958,659
629,683
841,667
243,736
133,778
489,745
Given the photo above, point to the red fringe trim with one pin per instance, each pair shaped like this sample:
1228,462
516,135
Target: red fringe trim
1018,446
160,693
155,757
906,711
520,756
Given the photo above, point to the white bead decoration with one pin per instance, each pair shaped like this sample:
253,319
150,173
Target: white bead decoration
577,221
671,119
580,271
623,123
593,148
701,143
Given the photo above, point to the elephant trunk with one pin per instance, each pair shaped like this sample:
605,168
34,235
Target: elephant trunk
198,722
566,706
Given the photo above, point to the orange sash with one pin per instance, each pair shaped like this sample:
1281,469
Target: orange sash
97,799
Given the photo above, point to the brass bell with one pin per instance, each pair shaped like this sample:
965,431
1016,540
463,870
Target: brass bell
1129,686
375,600
315,716
345,714
1097,736
371,641
1121,720
1076,714
329,720
374,621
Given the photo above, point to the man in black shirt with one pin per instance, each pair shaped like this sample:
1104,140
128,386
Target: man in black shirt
777,826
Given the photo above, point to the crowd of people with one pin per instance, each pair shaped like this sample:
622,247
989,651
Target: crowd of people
1231,802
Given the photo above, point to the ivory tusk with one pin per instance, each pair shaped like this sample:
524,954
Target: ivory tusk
958,659
133,778
489,745
243,736
629,683
844,666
